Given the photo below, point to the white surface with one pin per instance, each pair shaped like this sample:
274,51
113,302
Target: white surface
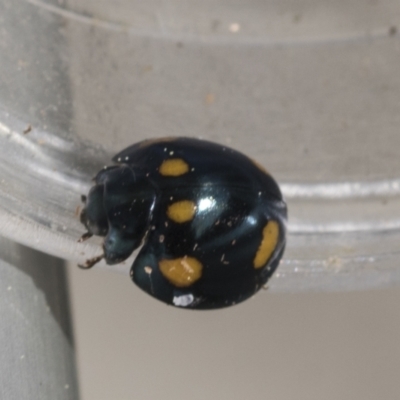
301,346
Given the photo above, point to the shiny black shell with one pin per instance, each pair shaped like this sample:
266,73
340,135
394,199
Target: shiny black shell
211,221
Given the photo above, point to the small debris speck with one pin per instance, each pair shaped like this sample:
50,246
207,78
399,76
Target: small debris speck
234,27
210,98
27,129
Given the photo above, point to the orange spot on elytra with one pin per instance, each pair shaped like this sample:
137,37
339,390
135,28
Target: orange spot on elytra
181,272
267,245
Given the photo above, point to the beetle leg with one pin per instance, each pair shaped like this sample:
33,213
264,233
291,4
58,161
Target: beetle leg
85,236
91,262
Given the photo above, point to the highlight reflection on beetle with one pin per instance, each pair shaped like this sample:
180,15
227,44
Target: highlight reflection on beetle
210,220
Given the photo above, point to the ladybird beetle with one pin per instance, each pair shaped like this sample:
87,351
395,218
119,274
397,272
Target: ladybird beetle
210,220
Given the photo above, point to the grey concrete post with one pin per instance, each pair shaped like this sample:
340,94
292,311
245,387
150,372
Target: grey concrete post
36,356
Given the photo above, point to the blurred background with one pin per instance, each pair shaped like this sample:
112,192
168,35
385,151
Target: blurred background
304,346
310,89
